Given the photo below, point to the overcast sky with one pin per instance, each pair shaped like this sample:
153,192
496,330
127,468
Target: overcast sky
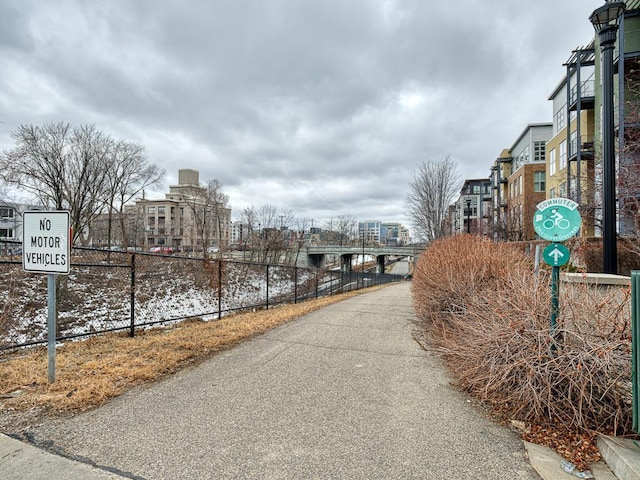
323,107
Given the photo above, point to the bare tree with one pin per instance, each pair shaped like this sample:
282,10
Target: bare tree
64,167
432,189
128,175
347,227
302,226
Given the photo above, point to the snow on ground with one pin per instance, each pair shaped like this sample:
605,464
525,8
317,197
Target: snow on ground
97,297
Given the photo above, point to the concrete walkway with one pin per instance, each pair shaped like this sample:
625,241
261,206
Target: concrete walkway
345,392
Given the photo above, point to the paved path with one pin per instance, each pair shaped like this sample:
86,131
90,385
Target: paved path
344,392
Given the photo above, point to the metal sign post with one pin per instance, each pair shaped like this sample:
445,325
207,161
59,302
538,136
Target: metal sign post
46,248
556,220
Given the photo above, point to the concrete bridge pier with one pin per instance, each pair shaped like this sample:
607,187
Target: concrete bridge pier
346,263
380,263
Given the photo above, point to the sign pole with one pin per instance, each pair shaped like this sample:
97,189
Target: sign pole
51,327
555,308
556,220
46,248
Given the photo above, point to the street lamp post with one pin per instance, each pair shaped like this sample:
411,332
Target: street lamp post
468,215
605,21
362,269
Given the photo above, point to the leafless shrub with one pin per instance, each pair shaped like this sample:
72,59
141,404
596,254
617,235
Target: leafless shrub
491,321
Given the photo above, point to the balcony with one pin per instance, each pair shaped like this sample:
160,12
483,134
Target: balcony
586,148
586,94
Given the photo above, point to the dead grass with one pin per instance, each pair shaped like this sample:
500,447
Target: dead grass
90,372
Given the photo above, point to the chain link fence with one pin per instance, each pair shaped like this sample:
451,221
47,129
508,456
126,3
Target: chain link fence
117,291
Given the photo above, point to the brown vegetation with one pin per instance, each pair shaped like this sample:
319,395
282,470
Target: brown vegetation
90,372
489,314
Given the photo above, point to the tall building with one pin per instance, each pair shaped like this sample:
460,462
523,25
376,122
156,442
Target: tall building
393,233
500,172
570,152
183,220
472,212
370,231
518,184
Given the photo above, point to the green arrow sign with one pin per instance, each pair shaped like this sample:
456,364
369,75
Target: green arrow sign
557,219
556,254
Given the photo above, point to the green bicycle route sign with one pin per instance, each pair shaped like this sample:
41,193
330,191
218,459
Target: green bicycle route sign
557,219
556,254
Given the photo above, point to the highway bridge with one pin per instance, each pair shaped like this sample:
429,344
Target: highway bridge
317,255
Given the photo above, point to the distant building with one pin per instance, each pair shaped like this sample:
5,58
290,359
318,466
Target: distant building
11,219
171,221
518,184
472,210
375,232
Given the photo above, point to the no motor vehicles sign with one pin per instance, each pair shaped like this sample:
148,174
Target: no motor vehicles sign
46,244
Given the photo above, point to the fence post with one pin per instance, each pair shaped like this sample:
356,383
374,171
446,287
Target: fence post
219,289
133,295
317,283
295,285
635,346
267,287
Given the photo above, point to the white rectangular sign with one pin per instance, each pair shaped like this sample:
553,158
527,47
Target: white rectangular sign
46,246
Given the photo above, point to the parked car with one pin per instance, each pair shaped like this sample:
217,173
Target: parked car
161,249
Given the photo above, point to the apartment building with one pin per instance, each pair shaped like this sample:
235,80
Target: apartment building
179,220
472,210
518,184
571,150
11,219
500,172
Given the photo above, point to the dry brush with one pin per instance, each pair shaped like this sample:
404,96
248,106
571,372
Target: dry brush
489,314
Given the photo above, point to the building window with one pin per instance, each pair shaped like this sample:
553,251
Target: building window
539,149
552,193
161,210
573,143
561,118
521,185
563,154
563,189
6,212
538,181
552,162
6,233
152,210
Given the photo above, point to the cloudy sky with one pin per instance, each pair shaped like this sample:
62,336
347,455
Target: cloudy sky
322,107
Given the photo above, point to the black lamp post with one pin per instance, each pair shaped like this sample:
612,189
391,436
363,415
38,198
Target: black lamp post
362,269
605,21
468,215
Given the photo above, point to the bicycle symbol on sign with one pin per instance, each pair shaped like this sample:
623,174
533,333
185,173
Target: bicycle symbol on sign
556,219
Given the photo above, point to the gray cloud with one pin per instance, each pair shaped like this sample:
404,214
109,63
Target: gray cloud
323,108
